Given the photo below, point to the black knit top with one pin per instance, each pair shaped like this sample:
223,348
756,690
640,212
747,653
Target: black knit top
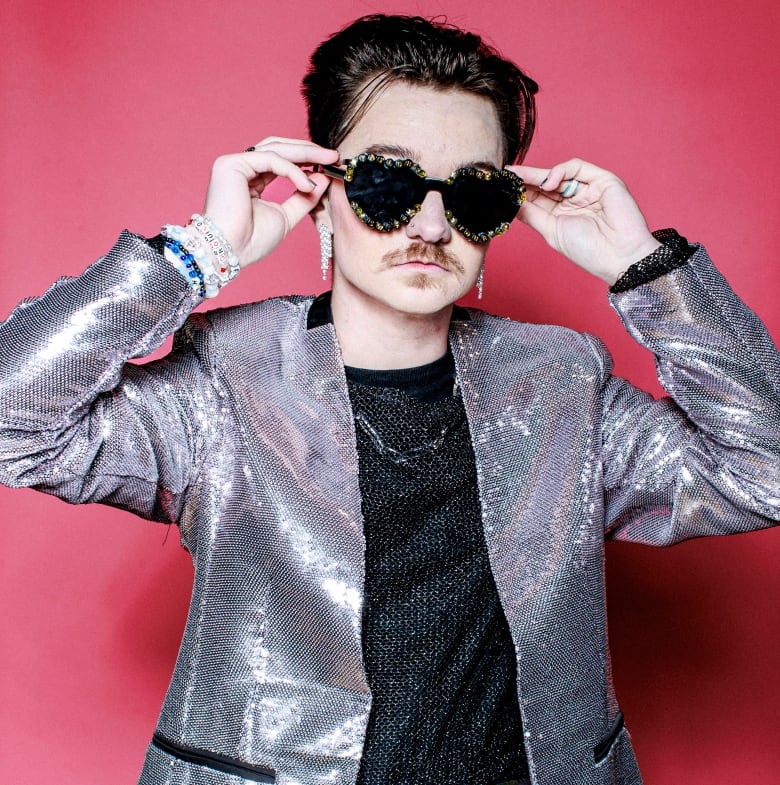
437,650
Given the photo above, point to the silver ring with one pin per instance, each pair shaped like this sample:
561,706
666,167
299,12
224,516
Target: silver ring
571,188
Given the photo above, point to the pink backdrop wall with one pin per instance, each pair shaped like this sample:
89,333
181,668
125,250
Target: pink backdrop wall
110,116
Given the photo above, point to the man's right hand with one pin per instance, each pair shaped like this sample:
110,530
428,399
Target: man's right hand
234,201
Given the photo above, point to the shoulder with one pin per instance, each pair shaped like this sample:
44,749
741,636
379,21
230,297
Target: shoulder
290,309
242,328
544,343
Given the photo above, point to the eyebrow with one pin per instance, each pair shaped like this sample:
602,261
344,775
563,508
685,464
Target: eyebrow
392,151
396,151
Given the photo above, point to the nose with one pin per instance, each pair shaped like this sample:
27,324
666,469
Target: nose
430,224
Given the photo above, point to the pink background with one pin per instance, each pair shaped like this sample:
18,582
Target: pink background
111,114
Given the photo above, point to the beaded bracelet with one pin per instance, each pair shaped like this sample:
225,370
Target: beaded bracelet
186,246
188,239
185,263
673,253
227,263
190,245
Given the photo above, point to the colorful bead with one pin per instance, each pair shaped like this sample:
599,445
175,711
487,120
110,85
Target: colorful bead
227,265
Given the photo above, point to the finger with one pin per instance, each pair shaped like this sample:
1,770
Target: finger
531,175
300,204
546,201
298,150
547,180
286,139
292,168
258,184
568,189
256,166
554,178
538,217
262,180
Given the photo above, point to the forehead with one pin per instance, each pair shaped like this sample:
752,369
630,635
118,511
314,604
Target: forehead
440,129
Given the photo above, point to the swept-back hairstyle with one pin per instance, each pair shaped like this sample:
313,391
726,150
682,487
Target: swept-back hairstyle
355,64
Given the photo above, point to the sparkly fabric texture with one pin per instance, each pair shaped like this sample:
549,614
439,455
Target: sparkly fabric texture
437,650
245,435
674,252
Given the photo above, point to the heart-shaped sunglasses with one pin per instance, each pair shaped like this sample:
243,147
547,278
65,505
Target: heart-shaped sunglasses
386,193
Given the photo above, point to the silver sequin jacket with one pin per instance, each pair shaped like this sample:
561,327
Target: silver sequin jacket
244,436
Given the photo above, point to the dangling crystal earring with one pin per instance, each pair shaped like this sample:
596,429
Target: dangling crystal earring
326,249
480,281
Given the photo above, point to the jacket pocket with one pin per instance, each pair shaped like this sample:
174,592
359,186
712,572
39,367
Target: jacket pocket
213,760
602,749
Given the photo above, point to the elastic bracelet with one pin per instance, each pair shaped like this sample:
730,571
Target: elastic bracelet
226,260
182,245
216,249
674,252
191,244
185,263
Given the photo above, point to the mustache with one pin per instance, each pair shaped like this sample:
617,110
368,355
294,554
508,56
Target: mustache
423,252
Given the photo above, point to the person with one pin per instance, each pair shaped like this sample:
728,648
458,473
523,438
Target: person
396,507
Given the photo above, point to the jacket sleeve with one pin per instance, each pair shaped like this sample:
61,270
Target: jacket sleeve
80,422
705,460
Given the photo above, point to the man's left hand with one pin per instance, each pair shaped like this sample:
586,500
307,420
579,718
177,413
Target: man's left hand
588,215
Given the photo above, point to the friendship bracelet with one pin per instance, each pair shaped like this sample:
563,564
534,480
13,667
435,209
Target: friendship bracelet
187,248
215,246
189,244
674,252
211,281
185,263
227,262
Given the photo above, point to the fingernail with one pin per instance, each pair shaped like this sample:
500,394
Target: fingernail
313,184
543,182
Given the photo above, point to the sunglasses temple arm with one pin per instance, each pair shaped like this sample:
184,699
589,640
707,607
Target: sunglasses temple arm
331,171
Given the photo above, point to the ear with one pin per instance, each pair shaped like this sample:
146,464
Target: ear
321,213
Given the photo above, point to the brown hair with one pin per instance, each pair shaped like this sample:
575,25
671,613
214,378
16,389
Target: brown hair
352,66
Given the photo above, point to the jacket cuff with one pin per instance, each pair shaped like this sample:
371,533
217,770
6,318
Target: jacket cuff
674,252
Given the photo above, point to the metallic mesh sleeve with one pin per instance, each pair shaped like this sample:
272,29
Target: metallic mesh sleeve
79,422
707,459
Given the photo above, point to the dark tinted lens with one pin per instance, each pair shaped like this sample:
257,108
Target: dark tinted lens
480,205
384,193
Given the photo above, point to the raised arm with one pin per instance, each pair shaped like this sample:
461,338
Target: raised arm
706,460
79,421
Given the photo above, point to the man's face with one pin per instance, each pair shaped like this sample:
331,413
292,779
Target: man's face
425,266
